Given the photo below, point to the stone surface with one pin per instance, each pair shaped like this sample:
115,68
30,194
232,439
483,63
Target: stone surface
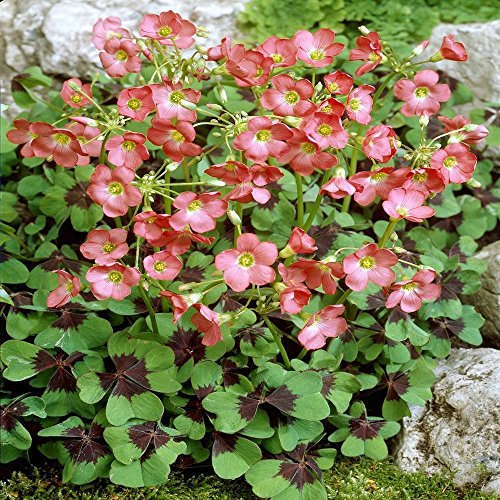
458,430
56,34
482,71
487,299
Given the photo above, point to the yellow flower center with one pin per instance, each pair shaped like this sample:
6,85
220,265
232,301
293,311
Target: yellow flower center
326,109
62,139
115,188
402,211
308,148
151,220
420,177
115,277
277,58
367,262
159,266
129,145
373,57
450,162
376,178
354,104
333,87
230,167
177,136
76,98
194,206
246,260
176,97
121,55
32,135
421,92
316,55
108,247
324,129
134,103
263,135
69,286
409,287
292,97
165,31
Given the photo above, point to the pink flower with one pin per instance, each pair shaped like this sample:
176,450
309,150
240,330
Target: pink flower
369,263
427,180
338,83
263,139
321,325
112,281
332,106
263,174
59,143
359,104
455,163
317,50
249,262
326,130
411,292
112,190
176,140
247,191
452,50
207,322
289,97
150,225
24,134
168,28
294,298
469,137
162,265
249,68
338,186
220,51
179,242
136,102
378,182
305,155
106,29
68,286
282,51
369,49
380,143
231,172
127,150
197,211
299,242
73,97
171,98
423,94
320,273
120,57
105,247
87,137
407,204
179,303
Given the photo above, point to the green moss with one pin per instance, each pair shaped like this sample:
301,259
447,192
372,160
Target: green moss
349,480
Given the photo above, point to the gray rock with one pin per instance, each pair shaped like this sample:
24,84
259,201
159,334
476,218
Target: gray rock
487,299
458,430
482,71
56,34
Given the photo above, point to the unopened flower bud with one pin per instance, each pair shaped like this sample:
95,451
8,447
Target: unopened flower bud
215,182
234,217
398,249
214,107
473,183
470,127
420,48
216,134
279,287
286,252
364,30
223,94
423,121
394,236
171,167
186,286
188,105
329,258
293,121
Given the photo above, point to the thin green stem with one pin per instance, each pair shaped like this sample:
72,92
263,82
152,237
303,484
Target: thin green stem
277,339
387,233
150,309
353,165
167,201
238,228
187,173
118,222
344,296
317,203
384,84
300,200
102,154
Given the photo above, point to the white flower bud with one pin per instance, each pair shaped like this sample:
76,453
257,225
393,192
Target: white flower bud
234,217
214,107
473,183
364,30
188,105
423,121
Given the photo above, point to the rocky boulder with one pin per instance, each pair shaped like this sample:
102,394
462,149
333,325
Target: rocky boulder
458,430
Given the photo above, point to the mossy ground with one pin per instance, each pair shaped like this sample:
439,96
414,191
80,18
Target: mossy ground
356,480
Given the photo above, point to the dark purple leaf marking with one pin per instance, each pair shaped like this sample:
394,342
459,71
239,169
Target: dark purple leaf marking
364,429
223,443
8,414
187,345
